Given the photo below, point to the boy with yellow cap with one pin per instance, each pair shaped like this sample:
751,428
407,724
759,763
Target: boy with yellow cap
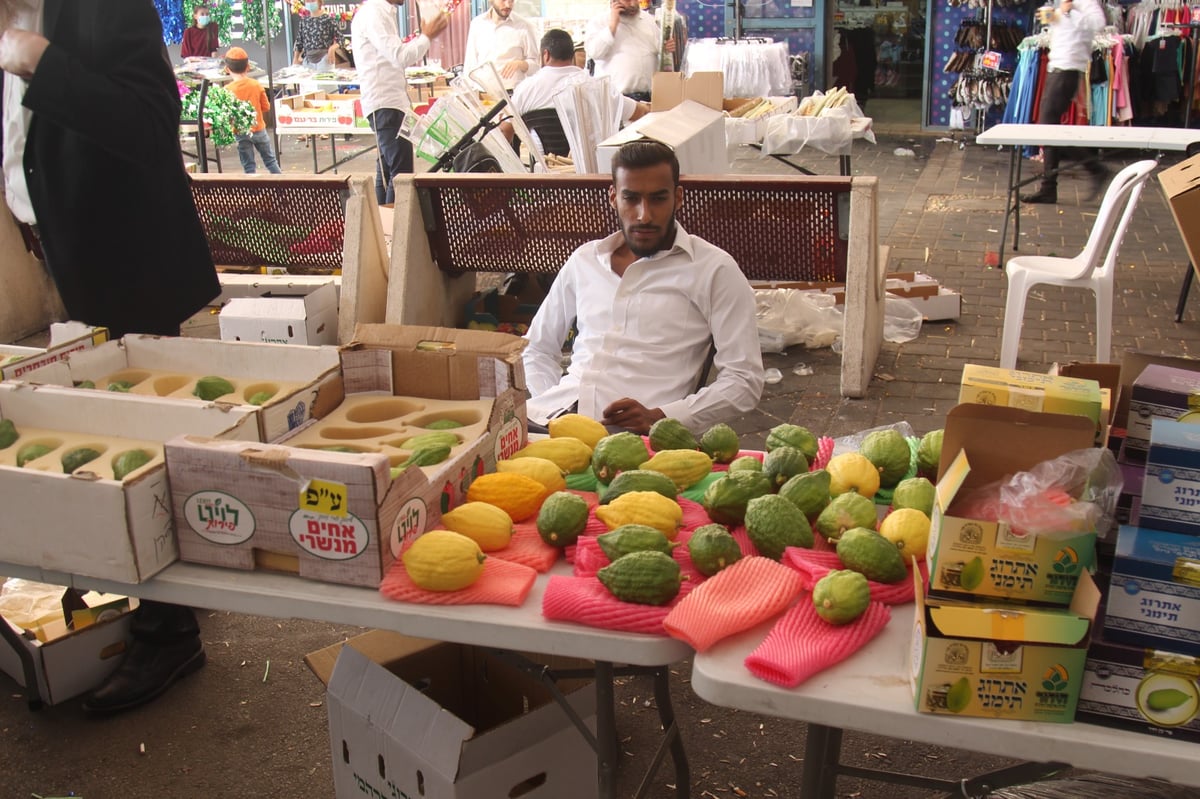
250,90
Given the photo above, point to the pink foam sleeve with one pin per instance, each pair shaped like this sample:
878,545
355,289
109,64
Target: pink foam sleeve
802,643
745,594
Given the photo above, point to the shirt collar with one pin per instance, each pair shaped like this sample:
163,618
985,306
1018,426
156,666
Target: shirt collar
683,243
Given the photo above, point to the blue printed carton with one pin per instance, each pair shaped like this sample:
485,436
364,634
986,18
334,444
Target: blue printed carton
1154,592
1171,488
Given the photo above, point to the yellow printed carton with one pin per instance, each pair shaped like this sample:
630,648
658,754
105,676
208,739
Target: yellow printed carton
1001,661
1031,391
982,558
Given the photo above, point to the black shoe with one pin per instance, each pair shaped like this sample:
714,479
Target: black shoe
1041,197
1099,182
147,670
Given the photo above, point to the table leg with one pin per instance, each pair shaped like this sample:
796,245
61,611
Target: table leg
822,753
312,145
333,151
606,731
1013,166
666,714
844,163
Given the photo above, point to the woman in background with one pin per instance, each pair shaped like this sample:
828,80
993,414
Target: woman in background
201,39
316,37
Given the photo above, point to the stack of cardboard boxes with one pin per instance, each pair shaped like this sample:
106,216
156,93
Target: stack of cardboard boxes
1142,669
1004,619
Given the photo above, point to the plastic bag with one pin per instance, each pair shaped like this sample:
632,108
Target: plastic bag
787,317
853,442
901,319
1059,498
28,604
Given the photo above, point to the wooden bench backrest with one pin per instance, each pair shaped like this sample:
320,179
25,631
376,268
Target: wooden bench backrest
297,223
775,227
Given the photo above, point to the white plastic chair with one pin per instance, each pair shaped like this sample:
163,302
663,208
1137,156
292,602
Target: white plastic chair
1093,268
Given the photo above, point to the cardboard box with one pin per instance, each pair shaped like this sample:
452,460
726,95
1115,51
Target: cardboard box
976,558
409,717
936,302
695,132
1001,661
1133,363
1154,595
72,663
1031,391
281,319
320,110
16,362
249,506
1159,392
307,370
88,525
739,130
669,89
1171,488
1119,679
1181,186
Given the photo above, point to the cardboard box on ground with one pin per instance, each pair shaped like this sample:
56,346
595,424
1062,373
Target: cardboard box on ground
306,318
271,512
69,661
411,717
935,302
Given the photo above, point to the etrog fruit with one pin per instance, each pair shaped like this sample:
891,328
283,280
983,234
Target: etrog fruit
120,385
211,387
75,458
8,433
128,461
260,397
31,452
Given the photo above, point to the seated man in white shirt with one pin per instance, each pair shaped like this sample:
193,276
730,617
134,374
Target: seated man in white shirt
505,39
558,71
647,303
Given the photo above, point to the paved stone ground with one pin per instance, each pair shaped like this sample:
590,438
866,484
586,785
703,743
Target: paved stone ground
232,731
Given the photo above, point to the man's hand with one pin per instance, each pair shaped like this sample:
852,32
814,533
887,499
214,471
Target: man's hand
614,16
512,68
669,45
632,415
21,52
435,25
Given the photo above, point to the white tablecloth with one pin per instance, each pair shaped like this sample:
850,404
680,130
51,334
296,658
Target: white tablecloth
751,69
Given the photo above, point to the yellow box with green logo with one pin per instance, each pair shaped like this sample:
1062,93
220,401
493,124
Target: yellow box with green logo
975,556
1001,661
1031,391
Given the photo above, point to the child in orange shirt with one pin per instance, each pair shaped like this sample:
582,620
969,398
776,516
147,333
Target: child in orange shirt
250,90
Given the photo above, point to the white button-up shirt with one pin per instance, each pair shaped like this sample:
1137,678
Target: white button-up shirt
500,41
16,125
646,335
381,55
541,88
1071,36
630,58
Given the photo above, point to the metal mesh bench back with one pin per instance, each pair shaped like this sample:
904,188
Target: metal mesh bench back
776,228
298,224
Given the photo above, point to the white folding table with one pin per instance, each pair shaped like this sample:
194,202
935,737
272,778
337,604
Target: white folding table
870,692
1105,138
506,628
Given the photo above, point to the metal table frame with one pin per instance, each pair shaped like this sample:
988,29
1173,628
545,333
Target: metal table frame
501,628
1104,138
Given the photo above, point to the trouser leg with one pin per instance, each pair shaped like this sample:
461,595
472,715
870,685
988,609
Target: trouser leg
395,153
245,148
1057,94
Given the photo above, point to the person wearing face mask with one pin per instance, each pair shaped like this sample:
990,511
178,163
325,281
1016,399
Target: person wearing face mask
201,39
316,37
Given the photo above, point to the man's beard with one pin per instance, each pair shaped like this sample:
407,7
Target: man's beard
502,14
666,240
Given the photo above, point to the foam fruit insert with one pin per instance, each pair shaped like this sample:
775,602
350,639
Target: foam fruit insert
60,443
158,383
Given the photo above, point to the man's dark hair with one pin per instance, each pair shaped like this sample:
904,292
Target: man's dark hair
644,153
559,44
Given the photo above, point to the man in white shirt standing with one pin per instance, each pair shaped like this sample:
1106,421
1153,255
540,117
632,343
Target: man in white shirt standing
1073,25
381,56
625,45
506,39
646,302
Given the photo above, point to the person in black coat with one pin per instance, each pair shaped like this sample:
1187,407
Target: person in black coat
94,175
